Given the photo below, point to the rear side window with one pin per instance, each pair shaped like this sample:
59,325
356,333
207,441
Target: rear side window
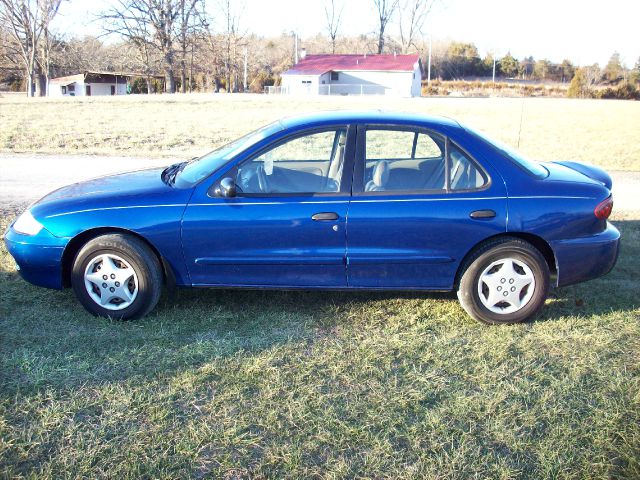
463,173
403,160
398,160
389,144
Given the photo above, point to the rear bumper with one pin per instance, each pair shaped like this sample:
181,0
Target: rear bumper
586,258
38,258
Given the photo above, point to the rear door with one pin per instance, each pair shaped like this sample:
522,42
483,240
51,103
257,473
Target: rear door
286,225
420,203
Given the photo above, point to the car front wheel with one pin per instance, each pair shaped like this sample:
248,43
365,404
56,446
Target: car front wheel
117,276
505,281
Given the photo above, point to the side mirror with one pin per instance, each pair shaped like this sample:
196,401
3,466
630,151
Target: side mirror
226,188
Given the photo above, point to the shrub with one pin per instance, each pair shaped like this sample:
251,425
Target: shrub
579,88
624,91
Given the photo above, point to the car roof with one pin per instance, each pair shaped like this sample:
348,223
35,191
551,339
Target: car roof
368,116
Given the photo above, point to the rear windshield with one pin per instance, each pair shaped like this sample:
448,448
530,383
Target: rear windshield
530,166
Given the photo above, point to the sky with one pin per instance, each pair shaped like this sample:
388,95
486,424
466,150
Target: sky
584,31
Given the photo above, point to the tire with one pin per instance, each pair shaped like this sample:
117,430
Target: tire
117,276
505,281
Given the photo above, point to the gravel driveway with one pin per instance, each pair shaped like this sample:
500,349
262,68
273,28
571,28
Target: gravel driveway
26,178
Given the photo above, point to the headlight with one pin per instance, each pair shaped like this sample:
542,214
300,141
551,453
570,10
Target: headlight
27,225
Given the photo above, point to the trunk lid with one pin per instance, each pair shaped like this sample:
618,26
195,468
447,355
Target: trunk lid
591,172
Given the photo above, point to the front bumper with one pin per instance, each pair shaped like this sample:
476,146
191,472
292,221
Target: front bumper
38,257
586,258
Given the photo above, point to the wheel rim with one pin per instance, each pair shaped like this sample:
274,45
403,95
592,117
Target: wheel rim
111,281
506,286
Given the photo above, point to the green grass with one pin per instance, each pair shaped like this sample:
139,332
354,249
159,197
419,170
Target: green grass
601,132
223,384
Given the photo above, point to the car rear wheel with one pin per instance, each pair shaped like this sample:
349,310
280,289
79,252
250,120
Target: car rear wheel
505,281
117,276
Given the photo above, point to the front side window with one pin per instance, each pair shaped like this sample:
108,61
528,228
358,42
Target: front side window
312,163
403,160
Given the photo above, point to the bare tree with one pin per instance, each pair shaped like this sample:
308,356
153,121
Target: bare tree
151,24
232,39
385,10
191,21
26,20
130,23
411,17
333,14
49,43
11,63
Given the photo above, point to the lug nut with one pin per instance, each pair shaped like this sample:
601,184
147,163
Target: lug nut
511,280
499,288
506,293
113,275
104,285
502,280
513,289
104,277
112,289
117,284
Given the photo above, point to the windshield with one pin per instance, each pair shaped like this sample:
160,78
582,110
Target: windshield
530,166
200,168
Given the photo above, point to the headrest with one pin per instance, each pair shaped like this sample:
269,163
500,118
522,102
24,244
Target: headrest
381,173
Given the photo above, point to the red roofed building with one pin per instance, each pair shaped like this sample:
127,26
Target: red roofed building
399,75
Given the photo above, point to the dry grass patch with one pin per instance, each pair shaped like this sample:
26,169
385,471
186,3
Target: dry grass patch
601,132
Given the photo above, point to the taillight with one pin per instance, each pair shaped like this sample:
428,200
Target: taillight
603,210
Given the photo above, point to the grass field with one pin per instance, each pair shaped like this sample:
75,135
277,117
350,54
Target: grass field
231,384
601,132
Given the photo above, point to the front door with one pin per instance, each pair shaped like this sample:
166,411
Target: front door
286,224
87,90
411,218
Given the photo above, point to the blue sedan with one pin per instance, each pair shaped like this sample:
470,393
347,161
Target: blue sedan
360,201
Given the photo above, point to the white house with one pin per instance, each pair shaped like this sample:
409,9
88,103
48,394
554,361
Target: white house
399,75
89,84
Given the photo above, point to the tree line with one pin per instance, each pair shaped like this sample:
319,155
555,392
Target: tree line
198,46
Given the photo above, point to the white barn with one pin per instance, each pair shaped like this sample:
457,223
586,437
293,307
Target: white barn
399,75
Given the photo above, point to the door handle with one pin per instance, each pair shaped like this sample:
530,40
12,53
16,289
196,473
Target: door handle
324,216
482,214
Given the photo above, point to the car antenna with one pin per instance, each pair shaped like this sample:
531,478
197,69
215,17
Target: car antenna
521,115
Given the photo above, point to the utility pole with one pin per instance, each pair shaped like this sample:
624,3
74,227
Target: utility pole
429,64
494,69
245,69
295,47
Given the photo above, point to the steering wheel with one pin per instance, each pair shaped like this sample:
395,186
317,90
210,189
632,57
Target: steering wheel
263,183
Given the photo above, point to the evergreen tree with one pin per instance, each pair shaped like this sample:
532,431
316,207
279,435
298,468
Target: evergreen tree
614,70
461,60
635,73
567,70
509,66
541,69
